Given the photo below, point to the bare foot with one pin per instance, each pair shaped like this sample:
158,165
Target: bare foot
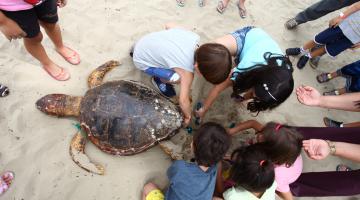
69,55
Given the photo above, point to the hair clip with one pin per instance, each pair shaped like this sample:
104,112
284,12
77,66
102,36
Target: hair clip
267,90
262,162
277,127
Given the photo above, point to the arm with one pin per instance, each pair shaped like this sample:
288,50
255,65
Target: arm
352,9
246,125
219,187
10,29
310,96
61,3
213,94
319,149
186,79
285,195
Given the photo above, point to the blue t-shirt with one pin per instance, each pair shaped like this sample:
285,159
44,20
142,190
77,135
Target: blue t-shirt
189,181
257,42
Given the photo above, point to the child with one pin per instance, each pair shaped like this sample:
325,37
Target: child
168,56
352,74
222,5
4,91
253,174
21,19
195,180
283,145
262,72
342,34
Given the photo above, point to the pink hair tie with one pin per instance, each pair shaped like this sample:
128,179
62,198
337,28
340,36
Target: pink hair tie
277,127
262,162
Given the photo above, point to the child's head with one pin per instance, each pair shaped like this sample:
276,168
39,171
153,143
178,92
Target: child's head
214,62
283,143
252,168
210,144
271,84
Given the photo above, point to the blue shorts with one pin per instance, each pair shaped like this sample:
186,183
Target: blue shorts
352,74
334,40
162,73
239,36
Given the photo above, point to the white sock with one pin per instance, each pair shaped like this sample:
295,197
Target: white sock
302,50
308,55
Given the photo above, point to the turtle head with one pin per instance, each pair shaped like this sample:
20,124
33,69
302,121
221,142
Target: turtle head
59,105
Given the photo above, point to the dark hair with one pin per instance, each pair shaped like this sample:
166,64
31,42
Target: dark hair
272,83
252,169
283,143
214,62
210,143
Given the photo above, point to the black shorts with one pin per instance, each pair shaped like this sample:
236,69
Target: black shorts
28,19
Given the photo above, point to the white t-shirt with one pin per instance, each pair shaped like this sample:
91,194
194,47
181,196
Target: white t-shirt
240,193
166,49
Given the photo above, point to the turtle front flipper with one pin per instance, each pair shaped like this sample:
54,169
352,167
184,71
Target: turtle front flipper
173,150
96,77
77,153
59,105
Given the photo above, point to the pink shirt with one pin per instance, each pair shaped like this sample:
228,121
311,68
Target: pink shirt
285,176
14,5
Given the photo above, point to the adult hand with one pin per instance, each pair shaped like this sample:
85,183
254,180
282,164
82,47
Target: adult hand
308,96
335,22
11,30
61,3
316,149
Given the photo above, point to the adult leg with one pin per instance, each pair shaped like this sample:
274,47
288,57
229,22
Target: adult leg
317,184
320,9
242,9
35,48
352,69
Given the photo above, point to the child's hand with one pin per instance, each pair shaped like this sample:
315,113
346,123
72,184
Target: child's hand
335,22
61,3
11,30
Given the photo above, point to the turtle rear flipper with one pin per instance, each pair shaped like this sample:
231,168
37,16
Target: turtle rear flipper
173,150
77,153
96,77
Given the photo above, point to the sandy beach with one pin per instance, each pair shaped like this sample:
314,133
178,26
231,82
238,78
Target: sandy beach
36,146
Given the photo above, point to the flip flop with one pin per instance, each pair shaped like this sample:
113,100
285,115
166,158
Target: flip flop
4,186
242,12
221,7
324,77
64,75
201,3
73,59
180,3
343,168
4,91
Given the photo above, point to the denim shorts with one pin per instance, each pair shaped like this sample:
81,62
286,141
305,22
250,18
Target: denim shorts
334,40
352,74
239,36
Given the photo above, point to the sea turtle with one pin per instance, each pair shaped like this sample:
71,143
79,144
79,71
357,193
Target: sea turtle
119,117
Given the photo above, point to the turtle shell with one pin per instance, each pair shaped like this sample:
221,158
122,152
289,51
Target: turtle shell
126,117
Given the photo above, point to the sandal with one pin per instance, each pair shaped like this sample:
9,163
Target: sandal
242,12
180,3
332,123
201,3
343,168
332,93
73,59
64,75
4,91
324,77
221,7
5,181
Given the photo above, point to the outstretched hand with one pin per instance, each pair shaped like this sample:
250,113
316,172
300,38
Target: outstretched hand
11,30
61,3
335,22
316,149
308,96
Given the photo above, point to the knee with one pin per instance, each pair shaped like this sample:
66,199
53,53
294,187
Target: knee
34,40
48,26
148,188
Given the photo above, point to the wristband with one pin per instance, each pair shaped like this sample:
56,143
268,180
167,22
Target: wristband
342,15
331,146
